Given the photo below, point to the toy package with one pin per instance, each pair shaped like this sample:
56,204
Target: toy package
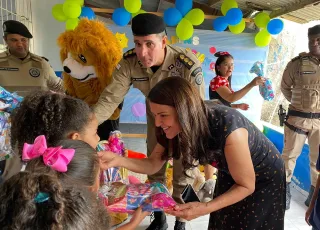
266,90
8,102
122,198
114,144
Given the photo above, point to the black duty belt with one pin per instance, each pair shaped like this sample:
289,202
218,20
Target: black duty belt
295,129
304,115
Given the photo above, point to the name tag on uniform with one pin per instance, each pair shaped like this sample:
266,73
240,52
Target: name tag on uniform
9,69
140,79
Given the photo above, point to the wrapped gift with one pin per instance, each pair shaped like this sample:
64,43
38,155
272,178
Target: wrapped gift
9,101
122,198
266,90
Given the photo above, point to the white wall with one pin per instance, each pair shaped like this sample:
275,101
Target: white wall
46,31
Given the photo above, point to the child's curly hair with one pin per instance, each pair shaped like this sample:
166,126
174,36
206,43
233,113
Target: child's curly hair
66,207
51,114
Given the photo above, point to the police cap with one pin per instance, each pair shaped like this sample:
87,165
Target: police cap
15,27
146,23
314,30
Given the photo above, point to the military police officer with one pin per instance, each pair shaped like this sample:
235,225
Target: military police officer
20,70
143,67
301,87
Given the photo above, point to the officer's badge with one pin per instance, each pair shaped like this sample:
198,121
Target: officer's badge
34,72
199,79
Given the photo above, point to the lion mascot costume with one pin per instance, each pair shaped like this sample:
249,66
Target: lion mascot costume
89,54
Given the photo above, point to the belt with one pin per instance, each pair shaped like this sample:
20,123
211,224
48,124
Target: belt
304,115
295,129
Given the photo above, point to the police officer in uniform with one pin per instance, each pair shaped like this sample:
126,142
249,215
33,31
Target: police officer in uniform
301,87
143,67
20,70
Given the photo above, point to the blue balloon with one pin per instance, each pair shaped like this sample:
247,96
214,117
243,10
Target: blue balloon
234,16
172,16
87,12
220,24
275,26
121,16
184,6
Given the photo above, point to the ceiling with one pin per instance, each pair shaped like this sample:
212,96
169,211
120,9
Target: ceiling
299,11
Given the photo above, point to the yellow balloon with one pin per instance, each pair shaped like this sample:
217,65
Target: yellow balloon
262,19
72,23
239,28
227,5
57,13
184,29
262,38
79,2
195,16
132,6
139,12
71,10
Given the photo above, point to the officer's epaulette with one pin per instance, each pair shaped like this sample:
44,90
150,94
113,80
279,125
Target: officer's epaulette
129,53
295,58
3,55
185,60
36,57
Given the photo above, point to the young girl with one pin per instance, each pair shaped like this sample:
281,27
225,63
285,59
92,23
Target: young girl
58,117
220,86
40,201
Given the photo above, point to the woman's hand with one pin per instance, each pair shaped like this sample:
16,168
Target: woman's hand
190,210
308,214
243,106
258,81
108,159
138,216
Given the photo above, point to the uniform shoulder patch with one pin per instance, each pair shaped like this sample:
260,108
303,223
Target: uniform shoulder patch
185,60
129,53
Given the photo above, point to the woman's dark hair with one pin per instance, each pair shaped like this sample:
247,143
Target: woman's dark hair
191,143
83,168
66,208
51,114
222,56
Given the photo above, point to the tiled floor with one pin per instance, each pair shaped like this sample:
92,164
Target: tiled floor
294,219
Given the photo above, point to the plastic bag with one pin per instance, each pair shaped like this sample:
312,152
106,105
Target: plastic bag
9,101
5,136
266,90
122,198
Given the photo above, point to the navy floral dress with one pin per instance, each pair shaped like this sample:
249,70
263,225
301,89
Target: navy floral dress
265,208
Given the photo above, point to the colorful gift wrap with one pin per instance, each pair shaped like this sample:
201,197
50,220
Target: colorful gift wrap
266,90
5,136
122,198
9,101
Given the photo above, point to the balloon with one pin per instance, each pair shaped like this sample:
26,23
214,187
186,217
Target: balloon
275,26
239,28
184,29
71,23
139,12
172,16
57,13
132,6
87,12
212,50
71,10
195,16
262,38
262,19
138,109
227,5
234,16
79,2
220,24
184,6
121,17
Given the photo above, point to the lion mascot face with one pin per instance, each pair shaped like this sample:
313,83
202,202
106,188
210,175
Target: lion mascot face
89,54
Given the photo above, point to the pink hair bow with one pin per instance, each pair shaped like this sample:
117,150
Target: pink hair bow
54,157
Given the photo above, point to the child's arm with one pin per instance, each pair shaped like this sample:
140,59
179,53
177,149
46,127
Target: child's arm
313,201
135,220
